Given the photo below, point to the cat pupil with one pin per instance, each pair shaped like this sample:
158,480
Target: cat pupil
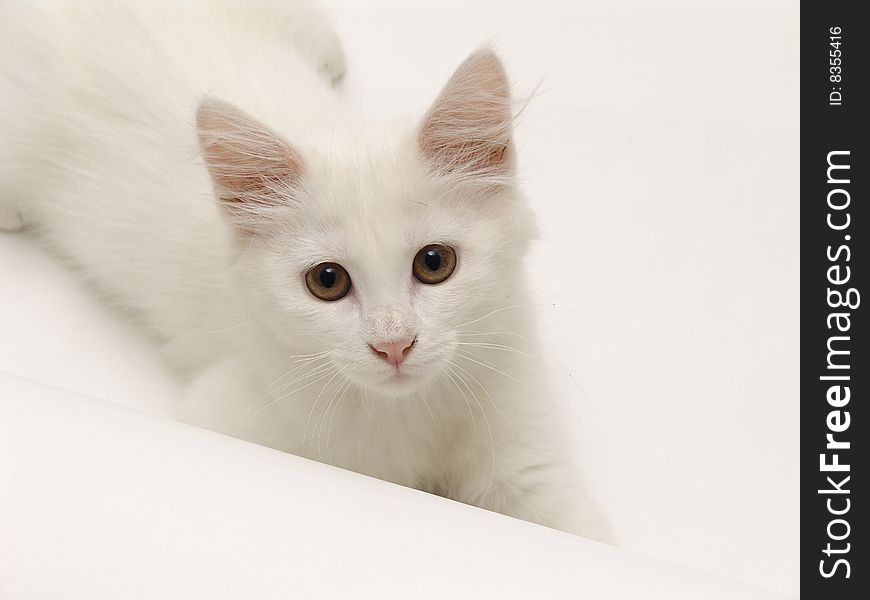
328,277
432,260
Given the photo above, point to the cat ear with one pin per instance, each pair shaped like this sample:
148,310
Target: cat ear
252,168
467,131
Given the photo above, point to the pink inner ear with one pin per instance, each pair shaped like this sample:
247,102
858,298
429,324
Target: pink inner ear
248,162
467,131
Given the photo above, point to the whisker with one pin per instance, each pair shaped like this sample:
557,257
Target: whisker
365,403
488,428
506,348
322,416
465,355
299,358
515,306
332,418
314,404
428,408
313,369
476,333
290,393
477,381
489,314
449,372
489,345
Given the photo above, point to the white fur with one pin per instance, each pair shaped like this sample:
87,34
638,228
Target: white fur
100,155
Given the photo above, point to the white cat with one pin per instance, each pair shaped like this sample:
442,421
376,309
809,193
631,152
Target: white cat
346,292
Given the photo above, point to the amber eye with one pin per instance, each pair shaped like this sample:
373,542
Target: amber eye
434,263
328,281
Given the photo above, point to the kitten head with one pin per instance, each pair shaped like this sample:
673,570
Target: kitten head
380,248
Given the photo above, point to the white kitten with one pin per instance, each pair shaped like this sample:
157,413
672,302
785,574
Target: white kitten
347,293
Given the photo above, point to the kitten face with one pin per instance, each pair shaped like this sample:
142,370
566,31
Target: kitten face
372,217
365,205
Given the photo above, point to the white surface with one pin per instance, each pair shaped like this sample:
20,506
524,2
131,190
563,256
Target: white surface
661,154
92,510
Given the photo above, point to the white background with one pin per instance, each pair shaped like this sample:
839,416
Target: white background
661,155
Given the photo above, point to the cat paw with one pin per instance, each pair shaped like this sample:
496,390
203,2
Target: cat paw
329,56
10,217
334,65
315,36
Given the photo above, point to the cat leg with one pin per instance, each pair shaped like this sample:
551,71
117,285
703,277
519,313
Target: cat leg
329,55
226,397
306,26
540,489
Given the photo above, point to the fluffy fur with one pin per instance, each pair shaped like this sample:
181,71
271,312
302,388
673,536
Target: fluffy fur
191,160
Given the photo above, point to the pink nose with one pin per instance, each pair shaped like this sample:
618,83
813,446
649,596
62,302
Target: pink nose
393,352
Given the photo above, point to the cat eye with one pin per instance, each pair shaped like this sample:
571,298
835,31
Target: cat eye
434,263
328,281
